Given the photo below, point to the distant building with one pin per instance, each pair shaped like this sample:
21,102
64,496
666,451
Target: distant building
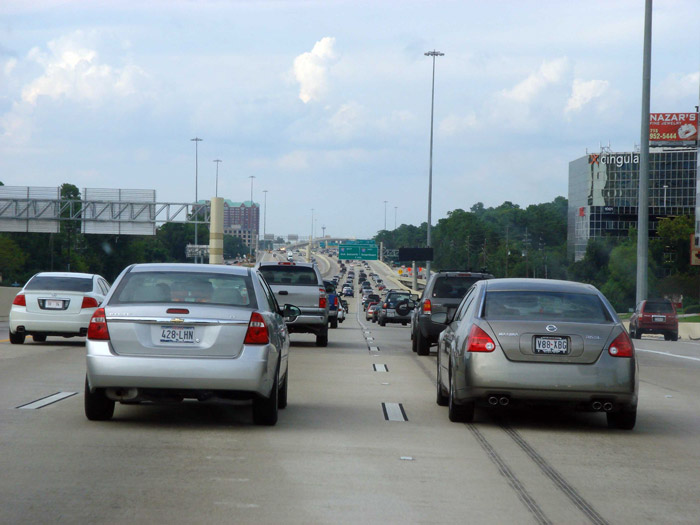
603,191
242,220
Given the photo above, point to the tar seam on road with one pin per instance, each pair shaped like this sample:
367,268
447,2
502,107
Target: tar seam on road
557,478
46,401
513,481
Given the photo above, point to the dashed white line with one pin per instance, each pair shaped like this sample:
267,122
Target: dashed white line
48,400
394,412
380,368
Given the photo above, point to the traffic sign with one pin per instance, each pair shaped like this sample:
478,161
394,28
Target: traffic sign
361,253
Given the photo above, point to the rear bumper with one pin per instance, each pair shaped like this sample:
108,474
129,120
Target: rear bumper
657,328
309,322
430,330
51,322
480,375
252,371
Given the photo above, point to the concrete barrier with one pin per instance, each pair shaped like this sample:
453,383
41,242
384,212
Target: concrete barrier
7,295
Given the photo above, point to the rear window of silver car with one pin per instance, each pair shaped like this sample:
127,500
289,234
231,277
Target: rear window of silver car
293,275
185,287
554,306
63,284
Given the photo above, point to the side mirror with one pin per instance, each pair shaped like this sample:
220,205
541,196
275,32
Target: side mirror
439,317
290,312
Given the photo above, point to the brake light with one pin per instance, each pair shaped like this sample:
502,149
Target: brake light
335,301
322,300
257,331
20,300
97,329
89,302
177,311
621,346
479,341
385,305
427,306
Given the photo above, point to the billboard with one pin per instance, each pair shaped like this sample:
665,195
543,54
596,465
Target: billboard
415,254
675,129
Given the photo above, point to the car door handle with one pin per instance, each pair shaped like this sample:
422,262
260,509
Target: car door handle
283,292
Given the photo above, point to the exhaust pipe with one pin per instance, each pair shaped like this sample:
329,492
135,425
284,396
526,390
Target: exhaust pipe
504,401
493,400
122,394
607,406
596,405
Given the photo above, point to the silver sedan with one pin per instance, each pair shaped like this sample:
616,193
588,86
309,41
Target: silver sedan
169,332
536,341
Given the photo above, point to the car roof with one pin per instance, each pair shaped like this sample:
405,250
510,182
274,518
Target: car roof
190,267
537,285
66,274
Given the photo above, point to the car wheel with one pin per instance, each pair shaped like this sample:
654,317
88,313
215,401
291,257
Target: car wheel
322,338
334,322
422,344
282,399
39,338
674,336
265,408
441,398
404,323
622,419
17,338
459,413
414,344
382,322
98,407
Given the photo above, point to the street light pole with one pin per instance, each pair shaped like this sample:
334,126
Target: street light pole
433,54
216,192
265,216
253,254
385,214
395,208
196,141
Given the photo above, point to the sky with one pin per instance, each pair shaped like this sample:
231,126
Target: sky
327,103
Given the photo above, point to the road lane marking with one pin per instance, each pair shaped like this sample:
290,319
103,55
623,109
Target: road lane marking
374,349
380,368
45,401
668,355
394,412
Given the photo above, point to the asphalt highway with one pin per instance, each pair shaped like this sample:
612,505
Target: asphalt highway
361,441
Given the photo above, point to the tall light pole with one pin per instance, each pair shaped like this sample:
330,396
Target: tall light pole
265,217
311,237
433,54
395,208
252,229
385,214
196,141
216,191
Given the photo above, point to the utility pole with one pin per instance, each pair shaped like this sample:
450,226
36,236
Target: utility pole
196,141
216,191
253,232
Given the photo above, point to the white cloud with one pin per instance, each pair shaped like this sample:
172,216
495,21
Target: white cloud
677,88
347,119
550,72
583,91
9,66
73,71
455,124
311,69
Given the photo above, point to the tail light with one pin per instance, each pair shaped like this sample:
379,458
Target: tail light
385,305
97,329
89,302
335,301
427,306
257,331
20,300
621,346
479,341
322,300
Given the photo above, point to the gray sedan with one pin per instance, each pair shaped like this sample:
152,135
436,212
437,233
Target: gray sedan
536,341
169,332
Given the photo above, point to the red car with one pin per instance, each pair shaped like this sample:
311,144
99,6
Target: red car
655,316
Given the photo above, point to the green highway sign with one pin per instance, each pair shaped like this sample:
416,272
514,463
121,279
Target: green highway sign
358,252
356,242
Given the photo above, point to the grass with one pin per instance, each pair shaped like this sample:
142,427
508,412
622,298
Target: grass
690,319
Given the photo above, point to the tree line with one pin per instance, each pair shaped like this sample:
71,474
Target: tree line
510,241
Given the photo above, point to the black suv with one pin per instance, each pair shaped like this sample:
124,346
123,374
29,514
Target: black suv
443,292
396,307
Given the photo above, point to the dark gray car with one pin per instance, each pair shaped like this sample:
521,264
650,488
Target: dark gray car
537,341
442,294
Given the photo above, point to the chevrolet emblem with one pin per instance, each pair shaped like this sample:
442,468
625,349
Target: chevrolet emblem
177,320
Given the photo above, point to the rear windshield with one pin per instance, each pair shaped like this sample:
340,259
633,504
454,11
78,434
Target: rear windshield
453,287
659,307
63,284
185,287
554,306
294,275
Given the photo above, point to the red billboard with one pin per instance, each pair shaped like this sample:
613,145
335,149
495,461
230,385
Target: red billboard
674,128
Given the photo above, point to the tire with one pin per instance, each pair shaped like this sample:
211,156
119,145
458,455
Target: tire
98,407
265,409
39,338
459,413
282,399
322,338
674,336
622,419
441,398
334,322
414,344
404,323
422,345
381,322
17,338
